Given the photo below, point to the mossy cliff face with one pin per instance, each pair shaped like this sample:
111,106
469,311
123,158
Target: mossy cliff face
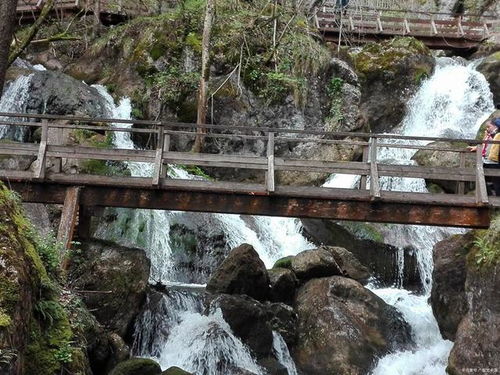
390,73
490,68
35,333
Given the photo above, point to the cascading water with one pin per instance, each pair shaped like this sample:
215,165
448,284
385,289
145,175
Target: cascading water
173,329
452,103
14,100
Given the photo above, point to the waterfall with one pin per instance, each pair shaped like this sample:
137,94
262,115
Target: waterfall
452,103
173,329
14,99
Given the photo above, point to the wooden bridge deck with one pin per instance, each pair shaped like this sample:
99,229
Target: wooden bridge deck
46,182
355,25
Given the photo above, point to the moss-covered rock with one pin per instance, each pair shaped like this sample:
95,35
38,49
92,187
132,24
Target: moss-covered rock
36,336
119,273
390,73
174,370
490,68
137,366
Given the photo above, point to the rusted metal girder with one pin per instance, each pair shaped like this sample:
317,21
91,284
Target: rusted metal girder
268,205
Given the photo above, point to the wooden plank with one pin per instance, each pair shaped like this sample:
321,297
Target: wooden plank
270,164
42,152
158,158
374,179
166,148
68,217
481,191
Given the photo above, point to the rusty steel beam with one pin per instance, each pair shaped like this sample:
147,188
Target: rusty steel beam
267,205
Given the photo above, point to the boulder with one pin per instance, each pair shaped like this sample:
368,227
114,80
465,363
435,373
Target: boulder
16,163
283,285
137,366
448,299
344,328
242,272
429,158
116,279
174,370
477,340
315,263
365,243
349,265
490,68
390,73
248,320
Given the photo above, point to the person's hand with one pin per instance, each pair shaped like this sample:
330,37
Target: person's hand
472,148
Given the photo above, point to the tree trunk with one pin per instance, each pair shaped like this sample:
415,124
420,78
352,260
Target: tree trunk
205,72
7,23
19,48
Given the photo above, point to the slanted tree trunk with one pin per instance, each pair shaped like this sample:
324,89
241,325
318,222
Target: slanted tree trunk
7,23
205,73
21,46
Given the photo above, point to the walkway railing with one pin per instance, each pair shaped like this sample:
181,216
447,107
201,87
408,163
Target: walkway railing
50,153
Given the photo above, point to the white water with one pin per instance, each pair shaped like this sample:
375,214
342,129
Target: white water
452,103
174,331
13,100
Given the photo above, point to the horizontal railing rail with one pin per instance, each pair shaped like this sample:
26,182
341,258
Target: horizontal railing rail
50,147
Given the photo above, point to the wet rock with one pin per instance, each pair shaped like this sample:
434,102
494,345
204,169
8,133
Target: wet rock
137,366
285,262
429,158
390,73
283,320
490,68
349,265
248,320
59,94
344,328
365,244
315,263
242,272
113,280
448,299
477,340
283,285
174,370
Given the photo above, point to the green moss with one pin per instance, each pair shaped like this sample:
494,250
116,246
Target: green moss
387,56
285,262
363,231
5,319
486,251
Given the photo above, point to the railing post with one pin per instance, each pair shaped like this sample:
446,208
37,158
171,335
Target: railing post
158,157
379,23
433,26
481,191
366,154
459,25
406,26
270,163
42,152
461,184
374,180
166,148
68,221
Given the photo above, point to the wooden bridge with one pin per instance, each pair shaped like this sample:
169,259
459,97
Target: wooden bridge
48,182
355,25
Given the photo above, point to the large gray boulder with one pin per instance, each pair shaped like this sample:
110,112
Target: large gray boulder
315,263
448,299
242,272
113,280
344,328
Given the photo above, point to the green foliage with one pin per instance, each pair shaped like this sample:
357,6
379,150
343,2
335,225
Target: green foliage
193,170
334,91
7,356
49,311
49,250
486,251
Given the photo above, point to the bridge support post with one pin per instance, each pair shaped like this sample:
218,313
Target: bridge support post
68,220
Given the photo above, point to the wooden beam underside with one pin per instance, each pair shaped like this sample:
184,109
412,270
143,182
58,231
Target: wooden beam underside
286,204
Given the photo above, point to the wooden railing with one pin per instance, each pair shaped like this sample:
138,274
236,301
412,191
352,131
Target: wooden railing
354,23
370,169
